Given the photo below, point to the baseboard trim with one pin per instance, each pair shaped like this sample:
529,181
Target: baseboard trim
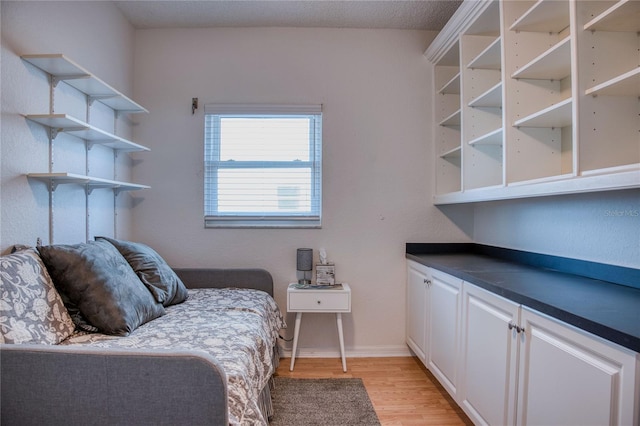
357,352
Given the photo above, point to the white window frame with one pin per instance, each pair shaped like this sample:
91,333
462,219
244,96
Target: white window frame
212,163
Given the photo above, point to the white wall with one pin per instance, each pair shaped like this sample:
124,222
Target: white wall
373,85
600,227
96,36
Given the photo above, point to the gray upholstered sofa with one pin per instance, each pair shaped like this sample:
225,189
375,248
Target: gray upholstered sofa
206,360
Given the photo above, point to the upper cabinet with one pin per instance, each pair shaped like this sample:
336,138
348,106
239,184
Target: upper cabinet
546,99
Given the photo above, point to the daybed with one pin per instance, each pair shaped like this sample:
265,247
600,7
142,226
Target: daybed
206,360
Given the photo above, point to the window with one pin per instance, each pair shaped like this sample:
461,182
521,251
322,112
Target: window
262,166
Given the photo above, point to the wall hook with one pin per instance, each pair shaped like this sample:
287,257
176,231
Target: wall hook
194,105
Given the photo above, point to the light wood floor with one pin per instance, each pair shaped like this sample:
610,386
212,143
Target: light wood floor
402,390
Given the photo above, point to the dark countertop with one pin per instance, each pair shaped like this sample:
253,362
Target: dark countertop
548,284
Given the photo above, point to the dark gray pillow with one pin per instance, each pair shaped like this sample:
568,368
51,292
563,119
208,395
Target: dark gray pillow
100,283
152,270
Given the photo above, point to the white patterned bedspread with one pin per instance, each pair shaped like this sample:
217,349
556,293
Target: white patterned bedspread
239,327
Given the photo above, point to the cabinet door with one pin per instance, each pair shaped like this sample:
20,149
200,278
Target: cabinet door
569,377
443,328
417,280
488,363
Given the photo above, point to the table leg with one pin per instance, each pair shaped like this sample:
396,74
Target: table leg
341,336
296,331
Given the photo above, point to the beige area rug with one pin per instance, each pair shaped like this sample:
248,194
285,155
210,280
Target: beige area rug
326,402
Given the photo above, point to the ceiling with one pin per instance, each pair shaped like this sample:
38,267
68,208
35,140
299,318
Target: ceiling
396,14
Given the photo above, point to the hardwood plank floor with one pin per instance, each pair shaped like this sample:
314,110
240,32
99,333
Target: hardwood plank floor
402,390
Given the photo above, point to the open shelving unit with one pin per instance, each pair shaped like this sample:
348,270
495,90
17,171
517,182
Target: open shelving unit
448,118
90,183
549,99
609,92
63,123
60,69
482,99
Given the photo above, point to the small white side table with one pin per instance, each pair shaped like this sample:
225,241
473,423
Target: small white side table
336,301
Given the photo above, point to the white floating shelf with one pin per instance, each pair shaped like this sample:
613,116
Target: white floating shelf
492,138
453,120
64,69
89,182
627,84
492,98
452,87
555,116
554,64
622,16
452,153
63,123
544,16
489,58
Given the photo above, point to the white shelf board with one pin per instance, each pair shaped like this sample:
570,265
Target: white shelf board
544,16
63,178
492,98
452,153
554,64
63,68
555,116
489,58
71,125
453,120
452,87
622,16
558,185
492,138
627,84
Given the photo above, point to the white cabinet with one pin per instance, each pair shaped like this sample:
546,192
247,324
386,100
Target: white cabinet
506,364
418,279
569,377
488,359
443,328
534,98
433,321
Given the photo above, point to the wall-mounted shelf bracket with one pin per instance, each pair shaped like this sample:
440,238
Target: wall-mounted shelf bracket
93,98
55,79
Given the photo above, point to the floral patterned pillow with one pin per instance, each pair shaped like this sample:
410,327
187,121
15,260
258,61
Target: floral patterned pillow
31,310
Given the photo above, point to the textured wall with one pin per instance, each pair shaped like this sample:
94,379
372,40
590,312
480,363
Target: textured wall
377,175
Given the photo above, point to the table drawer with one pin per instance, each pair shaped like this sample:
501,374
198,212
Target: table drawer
317,301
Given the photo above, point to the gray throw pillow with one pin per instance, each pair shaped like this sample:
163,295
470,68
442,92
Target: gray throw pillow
153,271
31,310
100,283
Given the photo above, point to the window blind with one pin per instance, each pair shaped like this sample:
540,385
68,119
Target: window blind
263,165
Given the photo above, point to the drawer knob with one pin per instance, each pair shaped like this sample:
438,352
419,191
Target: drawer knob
318,302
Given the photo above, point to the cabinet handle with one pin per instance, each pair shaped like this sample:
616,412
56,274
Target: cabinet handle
517,327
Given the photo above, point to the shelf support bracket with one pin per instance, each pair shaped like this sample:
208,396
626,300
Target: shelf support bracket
53,132
93,98
55,79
